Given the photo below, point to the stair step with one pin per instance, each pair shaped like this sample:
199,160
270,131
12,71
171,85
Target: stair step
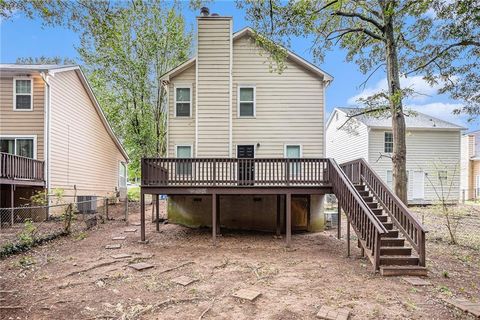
360,187
388,225
398,260
368,198
372,204
395,251
392,242
391,234
377,211
382,218
364,193
403,271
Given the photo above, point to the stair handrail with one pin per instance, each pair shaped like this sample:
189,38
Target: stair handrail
365,223
406,222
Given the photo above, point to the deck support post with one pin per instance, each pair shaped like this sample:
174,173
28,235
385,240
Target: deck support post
142,216
288,220
157,212
278,220
12,203
214,219
339,221
348,237
218,215
309,213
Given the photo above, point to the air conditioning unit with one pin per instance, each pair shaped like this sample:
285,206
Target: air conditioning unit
87,204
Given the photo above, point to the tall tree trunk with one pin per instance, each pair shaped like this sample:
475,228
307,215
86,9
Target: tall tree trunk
399,155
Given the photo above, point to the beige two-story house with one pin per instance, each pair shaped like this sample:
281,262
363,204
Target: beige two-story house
226,102
470,166
53,134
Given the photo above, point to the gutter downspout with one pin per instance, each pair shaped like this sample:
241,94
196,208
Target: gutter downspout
47,131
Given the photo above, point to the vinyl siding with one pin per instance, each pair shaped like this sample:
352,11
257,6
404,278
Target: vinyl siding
213,59
82,151
181,130
23,122
425,149
346,140
289,106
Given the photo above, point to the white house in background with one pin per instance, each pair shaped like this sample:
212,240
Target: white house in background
433,150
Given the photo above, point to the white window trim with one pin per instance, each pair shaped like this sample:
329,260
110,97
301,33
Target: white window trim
183,145
247,86
20,136
181,86
15,94
384,142
292,145
120,163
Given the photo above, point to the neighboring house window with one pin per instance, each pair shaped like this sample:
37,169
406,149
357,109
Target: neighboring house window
22,94
477,186
183,101
122,175
184,152
388,143
246,102
442,175
20,146
293,152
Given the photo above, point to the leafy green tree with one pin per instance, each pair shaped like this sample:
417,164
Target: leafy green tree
45,60
389,35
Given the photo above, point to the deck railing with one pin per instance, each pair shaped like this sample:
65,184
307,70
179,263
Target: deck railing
359,171
234,172
365,223
14,167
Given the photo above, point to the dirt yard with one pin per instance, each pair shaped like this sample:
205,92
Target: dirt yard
71,278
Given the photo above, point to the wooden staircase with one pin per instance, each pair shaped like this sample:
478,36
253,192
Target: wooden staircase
389,234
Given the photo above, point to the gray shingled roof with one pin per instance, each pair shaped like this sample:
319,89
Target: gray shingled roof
415,120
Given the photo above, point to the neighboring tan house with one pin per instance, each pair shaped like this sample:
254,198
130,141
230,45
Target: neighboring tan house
470,179
246,150
53,134
433,150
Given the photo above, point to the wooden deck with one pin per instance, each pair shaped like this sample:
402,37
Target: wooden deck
376,215
17,170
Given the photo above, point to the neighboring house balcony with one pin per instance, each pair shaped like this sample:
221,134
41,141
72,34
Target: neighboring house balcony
18,170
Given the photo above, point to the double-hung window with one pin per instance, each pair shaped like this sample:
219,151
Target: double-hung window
183,101
20,146
246,101
22,94
388,142
184,152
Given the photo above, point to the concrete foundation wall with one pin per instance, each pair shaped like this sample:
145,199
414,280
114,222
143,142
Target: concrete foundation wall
246,212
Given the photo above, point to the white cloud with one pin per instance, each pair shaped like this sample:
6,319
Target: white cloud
423,90
441,110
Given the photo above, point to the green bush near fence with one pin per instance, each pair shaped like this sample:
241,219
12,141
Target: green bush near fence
133,193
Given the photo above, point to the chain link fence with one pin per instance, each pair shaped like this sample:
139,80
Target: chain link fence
470,195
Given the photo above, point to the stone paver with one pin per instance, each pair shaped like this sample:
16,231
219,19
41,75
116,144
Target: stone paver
135,224
246,294
113,246
130,230
121,256
119,238
465,305
184,280
140,266
416,281
329,313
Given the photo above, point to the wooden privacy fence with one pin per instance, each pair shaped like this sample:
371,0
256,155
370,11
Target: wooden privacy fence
369,229
14,167
234,172
360,172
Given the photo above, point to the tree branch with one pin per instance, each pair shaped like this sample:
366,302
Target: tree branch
363,30
361,17
364,83
363,112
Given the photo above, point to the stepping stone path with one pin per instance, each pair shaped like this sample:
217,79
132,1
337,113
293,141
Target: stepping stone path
113,246
184,280
119,238
135,224
416,281
140,266
246,294
329,313
465,306
121,256
130,230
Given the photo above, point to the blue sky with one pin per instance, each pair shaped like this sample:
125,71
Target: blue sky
22,37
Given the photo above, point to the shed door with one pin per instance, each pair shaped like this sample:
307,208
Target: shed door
246,167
